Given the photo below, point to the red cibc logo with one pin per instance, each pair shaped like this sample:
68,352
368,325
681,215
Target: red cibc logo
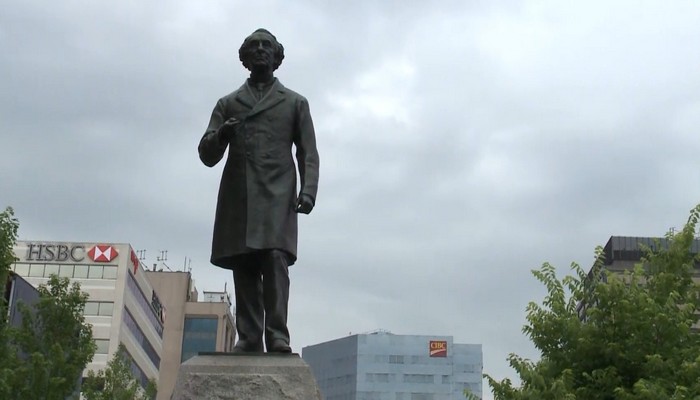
438,348
102,253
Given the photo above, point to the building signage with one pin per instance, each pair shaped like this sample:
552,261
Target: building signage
134,261
102,253
55,252
69,252
438,348
158,307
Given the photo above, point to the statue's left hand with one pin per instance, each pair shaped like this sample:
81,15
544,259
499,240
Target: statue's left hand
305,204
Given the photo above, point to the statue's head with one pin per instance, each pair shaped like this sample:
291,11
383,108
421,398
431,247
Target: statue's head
261,50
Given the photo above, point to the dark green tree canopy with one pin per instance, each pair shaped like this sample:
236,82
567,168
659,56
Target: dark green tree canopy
117,381
636,340
45,357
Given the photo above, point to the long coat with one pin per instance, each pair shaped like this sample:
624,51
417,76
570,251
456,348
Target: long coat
258,190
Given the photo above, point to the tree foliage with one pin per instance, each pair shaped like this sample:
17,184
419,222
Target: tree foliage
57,341
636,341
117,381
8,237
44,357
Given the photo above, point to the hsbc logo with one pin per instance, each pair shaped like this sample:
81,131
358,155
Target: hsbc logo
102,253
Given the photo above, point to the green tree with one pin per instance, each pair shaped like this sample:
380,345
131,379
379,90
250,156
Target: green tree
117,381
54,343
8,238
637,340
45,356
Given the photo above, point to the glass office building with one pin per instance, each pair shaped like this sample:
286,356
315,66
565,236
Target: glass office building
384,366
198,336
193,326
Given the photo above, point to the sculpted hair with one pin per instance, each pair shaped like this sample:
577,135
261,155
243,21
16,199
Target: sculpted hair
279,49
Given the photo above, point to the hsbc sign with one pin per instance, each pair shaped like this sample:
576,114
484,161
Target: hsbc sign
62,252
102,253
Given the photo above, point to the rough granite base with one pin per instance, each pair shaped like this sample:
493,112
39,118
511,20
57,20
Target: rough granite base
227,376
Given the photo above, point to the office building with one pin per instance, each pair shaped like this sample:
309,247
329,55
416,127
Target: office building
384,366
622,253
18,290
191,326
122,306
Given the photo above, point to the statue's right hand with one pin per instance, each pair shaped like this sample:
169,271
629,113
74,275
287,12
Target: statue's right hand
228,129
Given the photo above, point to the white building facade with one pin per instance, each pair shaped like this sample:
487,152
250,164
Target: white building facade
122,306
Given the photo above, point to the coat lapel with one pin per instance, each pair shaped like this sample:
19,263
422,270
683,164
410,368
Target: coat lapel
274,97
244,97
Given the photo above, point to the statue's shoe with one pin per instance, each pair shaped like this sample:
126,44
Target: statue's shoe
279,346
244,347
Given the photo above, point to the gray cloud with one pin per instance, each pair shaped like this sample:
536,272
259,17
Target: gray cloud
461,145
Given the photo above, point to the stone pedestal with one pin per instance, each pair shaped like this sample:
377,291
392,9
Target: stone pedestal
228,376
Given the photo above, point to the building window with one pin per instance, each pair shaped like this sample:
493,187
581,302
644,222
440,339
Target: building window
199,336
91,308
70,271
36,270
22,269
102,346
51,269
95,272
377,377
137,371
66,271
106,308
103,308
144,304
369,395
396,360
381,358
140,338
418,378
81,271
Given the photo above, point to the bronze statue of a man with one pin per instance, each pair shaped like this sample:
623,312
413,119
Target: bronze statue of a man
255,230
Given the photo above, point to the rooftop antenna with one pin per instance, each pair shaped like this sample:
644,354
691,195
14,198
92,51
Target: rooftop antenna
141,254
163,257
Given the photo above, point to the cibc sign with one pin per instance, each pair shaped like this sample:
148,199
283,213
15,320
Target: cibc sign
438,348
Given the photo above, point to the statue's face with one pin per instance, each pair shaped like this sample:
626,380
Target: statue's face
259,51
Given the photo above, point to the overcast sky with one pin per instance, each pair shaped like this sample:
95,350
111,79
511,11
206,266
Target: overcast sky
462,143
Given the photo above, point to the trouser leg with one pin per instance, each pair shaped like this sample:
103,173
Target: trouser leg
249,307
276,297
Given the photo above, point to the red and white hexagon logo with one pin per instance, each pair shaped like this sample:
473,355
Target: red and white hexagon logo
102,253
